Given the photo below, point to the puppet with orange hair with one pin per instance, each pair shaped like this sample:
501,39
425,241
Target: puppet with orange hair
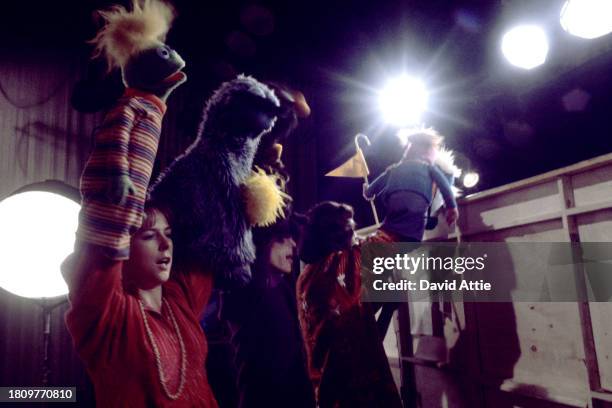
116,176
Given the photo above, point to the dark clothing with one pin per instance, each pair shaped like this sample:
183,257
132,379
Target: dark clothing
406,191
413,175
222,375
269,348
406,215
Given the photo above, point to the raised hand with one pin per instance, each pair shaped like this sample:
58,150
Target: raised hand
119,189
451,215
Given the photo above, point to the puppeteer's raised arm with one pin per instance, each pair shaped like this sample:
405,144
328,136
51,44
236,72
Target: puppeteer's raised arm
377,186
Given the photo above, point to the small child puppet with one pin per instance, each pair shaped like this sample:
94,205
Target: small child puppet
406,188
116,176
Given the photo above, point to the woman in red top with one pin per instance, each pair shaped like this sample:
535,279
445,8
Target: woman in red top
346,359
136,325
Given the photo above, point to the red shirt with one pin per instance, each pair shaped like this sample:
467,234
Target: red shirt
108,331
346,359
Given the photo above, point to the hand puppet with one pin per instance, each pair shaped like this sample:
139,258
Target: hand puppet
293,106
116,176
268,159
211,190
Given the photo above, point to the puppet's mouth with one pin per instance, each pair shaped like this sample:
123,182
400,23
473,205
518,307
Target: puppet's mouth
176,77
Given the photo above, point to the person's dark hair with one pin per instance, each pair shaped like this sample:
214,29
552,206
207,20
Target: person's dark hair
150,213
329,228
265,237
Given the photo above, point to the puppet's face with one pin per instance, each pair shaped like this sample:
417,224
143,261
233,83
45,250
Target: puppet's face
240,112
156,70
251,114
244,118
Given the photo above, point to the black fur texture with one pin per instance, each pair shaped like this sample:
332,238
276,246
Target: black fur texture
202,186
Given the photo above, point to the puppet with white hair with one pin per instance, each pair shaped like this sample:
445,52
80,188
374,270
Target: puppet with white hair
116,176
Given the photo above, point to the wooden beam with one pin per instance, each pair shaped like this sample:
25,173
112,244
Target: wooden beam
566,193
579,167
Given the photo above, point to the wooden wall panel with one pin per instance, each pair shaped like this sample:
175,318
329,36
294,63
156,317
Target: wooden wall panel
540,354
602,332
532,343
593,186
552,353
597,227
525,396
497,211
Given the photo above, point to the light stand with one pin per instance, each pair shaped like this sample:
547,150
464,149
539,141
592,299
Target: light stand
47,305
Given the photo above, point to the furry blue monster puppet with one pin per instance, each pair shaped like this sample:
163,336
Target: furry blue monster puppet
211,189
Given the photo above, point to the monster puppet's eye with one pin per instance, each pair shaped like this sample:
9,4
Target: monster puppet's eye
164,52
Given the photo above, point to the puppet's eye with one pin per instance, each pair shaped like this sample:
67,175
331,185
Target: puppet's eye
163,52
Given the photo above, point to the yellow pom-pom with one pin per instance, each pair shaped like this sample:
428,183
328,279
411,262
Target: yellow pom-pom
264,201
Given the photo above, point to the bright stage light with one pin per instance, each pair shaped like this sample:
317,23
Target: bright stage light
525,46
403,134
470,179
403,101
587,18
37,234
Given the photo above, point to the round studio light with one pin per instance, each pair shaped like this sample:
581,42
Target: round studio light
587,18
470,179
403,100
525,46
37,234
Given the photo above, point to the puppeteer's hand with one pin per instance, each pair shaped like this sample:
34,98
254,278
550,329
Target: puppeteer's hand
365,188
451,215
119,189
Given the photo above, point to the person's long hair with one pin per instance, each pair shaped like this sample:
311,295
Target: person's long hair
329,228
264,238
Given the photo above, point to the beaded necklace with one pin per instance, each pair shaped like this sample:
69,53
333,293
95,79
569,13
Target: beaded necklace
162,377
